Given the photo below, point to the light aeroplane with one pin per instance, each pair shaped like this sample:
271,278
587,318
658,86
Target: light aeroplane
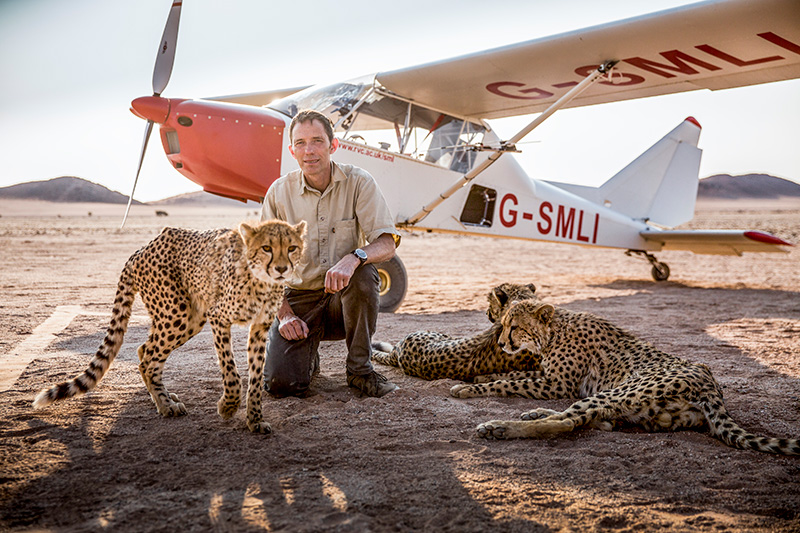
422,132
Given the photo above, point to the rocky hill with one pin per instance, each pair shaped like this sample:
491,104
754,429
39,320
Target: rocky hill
746,186
72,189
64,189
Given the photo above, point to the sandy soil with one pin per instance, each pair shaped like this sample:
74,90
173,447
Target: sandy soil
410,461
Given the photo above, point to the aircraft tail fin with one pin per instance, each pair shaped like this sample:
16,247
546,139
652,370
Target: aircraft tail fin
660,185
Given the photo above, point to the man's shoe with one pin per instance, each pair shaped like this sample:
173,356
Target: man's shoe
372,384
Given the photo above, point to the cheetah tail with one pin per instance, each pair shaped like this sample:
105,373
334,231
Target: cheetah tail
384,353
725,429
106,353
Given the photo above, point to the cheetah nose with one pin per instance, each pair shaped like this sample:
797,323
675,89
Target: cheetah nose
281,269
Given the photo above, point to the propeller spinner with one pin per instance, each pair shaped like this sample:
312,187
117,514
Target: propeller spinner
161,73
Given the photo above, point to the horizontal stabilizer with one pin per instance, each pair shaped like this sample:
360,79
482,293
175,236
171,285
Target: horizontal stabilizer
717,242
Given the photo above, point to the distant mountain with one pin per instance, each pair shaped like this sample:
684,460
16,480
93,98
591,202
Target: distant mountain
746,186
201,198
64,189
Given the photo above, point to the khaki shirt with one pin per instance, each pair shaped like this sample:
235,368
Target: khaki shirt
348,214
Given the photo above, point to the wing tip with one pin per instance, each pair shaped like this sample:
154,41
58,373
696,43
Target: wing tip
760,236
693,121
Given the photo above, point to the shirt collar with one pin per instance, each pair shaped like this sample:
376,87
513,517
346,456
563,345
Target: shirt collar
337,175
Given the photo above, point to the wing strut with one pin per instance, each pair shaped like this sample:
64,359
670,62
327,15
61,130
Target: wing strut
509,145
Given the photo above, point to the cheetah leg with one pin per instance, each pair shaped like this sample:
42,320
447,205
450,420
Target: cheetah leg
256,345
152,356
509,376
228,404
540,412
541,388
174,321
594,411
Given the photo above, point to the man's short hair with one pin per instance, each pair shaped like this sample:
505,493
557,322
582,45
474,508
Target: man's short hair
310,115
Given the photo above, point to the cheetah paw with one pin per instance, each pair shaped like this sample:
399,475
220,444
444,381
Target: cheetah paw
259,427
491,430
462,390
172,409
535,414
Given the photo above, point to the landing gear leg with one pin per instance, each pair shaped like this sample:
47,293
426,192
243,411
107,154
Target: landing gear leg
660,271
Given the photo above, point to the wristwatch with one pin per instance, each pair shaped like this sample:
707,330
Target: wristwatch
361,254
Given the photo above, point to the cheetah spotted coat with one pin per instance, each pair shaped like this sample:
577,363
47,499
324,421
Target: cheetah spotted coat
186,278
620,379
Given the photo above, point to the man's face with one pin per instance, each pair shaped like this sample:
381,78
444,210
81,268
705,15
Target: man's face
311,148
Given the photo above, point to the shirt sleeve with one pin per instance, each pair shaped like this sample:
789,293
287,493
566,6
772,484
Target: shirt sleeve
373,212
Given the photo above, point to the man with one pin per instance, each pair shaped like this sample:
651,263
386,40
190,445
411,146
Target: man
334,292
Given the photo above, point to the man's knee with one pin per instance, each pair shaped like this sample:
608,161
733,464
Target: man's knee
365,282
288,368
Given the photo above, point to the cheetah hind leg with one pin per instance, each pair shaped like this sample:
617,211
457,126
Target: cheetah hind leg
192,323
151,368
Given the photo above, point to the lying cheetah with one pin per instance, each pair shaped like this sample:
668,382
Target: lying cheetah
431,355
186,277
620,378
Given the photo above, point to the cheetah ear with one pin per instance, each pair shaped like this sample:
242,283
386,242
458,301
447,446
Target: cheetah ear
500,295
532,287
545,314
246,231
300,228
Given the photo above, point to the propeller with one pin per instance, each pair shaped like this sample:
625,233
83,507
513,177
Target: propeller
161,73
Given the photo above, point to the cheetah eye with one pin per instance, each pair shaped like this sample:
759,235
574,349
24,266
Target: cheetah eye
267,249
293,249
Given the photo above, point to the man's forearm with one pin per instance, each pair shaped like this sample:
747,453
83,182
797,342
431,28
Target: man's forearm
381,249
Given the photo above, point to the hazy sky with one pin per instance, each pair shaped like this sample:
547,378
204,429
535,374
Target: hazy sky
71,68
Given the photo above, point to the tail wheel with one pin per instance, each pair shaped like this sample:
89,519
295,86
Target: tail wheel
660,271
394,282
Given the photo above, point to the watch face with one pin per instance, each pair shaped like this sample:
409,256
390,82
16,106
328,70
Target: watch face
361,254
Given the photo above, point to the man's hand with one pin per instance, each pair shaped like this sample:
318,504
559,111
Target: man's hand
338,277
292,328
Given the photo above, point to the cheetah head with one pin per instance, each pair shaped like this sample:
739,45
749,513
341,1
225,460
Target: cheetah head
503,295
273,249
526,326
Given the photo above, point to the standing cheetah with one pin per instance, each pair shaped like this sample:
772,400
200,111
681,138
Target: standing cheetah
619,378
186,278
431,355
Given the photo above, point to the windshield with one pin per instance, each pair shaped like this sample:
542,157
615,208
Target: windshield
362,113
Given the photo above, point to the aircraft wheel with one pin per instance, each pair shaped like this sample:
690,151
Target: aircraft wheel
660,271
394,282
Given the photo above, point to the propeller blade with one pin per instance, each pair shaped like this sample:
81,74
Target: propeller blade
147,130
166,49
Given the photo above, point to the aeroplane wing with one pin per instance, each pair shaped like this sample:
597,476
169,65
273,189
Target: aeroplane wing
711,45
717,242
259,99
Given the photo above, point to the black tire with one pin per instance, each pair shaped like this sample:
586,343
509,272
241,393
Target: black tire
660,271
394,282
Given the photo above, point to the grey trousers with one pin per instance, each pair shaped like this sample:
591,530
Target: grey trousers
350,314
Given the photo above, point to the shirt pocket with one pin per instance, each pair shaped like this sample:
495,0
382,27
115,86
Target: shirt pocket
344,237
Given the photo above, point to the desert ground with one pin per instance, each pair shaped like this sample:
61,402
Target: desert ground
410,461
